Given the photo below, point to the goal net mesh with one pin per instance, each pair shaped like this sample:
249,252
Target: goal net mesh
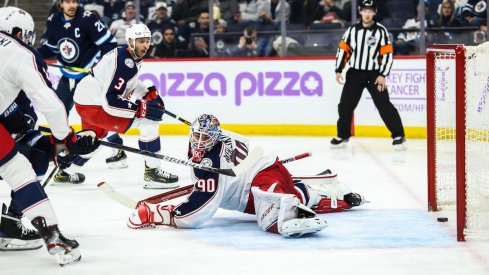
476,79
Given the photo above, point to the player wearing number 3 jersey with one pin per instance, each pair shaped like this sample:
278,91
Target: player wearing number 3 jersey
282,203
111,98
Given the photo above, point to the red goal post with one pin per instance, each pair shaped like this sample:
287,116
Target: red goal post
457,86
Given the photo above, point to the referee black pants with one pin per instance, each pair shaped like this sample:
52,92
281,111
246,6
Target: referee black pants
356,81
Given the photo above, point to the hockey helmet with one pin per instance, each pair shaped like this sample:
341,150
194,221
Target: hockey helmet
12,18
137,31
205,131
367,4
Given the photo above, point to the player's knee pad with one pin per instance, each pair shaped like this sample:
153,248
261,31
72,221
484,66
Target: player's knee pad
283,214
17,171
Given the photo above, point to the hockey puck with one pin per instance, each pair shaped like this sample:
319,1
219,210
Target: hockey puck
442,219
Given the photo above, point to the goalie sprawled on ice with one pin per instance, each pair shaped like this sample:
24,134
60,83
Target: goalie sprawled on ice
283,204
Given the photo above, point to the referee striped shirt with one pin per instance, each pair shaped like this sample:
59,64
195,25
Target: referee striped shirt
367,49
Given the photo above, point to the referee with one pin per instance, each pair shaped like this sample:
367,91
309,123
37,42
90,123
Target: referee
366,48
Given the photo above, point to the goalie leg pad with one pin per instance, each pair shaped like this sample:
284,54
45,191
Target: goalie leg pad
283,214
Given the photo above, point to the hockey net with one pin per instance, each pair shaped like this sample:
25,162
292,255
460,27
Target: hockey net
458,106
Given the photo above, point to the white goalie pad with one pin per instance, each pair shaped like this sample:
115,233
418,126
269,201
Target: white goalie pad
324,186
279,213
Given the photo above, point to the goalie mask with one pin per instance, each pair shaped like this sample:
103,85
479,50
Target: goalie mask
204,134
13,19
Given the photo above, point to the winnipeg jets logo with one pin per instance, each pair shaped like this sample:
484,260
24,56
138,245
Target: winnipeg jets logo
129,63
157,37
371,41
480,7
69,49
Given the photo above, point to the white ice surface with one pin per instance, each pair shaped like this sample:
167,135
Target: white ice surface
394,234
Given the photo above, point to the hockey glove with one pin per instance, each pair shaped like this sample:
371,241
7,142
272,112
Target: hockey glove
16,121
81,143
153,95
151,110
64,160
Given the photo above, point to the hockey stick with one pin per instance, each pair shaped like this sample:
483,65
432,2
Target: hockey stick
253,156
48,179
166,196
75,69
178,118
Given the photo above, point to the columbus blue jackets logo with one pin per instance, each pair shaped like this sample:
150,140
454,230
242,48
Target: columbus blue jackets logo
206,162
129,63
69,50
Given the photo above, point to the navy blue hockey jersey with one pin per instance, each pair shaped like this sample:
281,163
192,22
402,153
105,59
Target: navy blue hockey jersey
79,42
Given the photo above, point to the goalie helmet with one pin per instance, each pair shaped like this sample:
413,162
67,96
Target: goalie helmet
12,18
204,134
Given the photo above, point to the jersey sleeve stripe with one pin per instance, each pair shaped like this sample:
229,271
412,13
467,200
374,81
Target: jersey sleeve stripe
103,39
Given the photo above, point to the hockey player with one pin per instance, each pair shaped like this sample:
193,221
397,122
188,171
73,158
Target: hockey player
78,39
111,98
23,69
281,203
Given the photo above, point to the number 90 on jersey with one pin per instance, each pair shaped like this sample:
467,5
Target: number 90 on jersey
206,185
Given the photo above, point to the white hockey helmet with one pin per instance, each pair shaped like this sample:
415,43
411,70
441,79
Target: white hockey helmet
12,18
138,30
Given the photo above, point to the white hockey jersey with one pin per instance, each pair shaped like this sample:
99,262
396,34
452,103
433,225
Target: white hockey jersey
22,68
113,84
213,191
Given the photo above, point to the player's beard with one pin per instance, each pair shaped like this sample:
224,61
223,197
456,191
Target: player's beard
70,13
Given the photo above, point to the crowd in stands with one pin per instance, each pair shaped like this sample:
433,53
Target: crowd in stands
250,28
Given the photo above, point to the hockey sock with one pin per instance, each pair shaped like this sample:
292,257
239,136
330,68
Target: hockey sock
153,146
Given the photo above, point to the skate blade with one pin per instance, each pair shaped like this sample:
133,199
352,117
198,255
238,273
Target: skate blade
19,245
71,257
117,165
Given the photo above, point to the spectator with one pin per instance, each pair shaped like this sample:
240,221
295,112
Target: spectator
446,18
289,43
222,42
254,11
302,11
407,41
474,13
275,10
186,11
327,11
113,9
119,26
158,26
250,46
199,26
228,9
167,46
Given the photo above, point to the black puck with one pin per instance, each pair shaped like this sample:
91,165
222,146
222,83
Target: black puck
442,219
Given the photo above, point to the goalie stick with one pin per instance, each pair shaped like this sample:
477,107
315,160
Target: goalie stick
252,157
182,191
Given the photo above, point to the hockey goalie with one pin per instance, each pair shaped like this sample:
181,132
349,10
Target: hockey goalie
282,204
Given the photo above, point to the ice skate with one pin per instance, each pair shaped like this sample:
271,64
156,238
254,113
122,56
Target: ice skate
338,143
75,178
14,236
118,160
158,179
64,249
399,143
